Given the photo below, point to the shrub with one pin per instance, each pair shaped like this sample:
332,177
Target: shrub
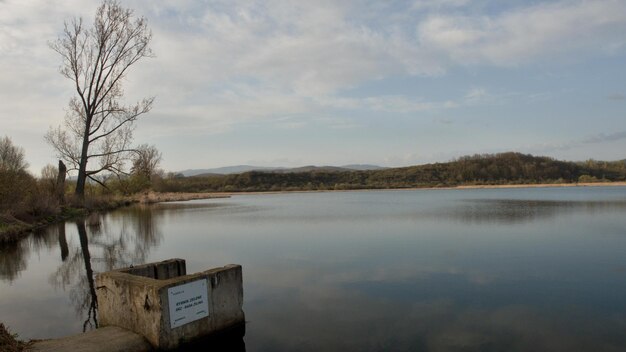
9,342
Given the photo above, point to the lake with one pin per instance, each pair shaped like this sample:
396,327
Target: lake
528,269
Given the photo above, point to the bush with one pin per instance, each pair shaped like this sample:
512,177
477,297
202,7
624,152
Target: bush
17,189
587,179
9,342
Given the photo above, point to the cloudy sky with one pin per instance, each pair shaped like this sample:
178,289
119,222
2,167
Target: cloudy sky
292,83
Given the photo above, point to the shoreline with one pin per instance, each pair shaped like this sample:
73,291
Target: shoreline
164,197
15,232
542,185
462,187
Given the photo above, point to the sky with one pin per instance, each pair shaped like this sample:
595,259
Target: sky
293,83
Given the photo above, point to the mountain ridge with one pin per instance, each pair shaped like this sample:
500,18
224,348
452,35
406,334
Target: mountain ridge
509,168
239,169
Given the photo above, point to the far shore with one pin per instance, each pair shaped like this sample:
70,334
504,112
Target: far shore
158,197
544,185
19,230
162,197
208,195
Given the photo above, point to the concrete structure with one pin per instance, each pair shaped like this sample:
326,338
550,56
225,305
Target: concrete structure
161,303
109,339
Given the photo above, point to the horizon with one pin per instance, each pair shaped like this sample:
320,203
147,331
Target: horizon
296,84
270,168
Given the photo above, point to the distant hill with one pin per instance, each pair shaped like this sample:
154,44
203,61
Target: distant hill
485,169
227,170
363,167
239,169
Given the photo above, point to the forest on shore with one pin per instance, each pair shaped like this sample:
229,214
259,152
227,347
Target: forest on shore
509,168
27,202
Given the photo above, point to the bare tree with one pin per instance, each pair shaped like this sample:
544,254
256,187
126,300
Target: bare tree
98,128
11,156
146,160
48,179
53,180
16,184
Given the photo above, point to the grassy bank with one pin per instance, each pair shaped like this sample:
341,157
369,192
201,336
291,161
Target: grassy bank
15,227
10,343
159,197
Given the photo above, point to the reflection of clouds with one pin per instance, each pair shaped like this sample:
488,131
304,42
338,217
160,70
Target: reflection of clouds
471,211
191,206
522,328
125,237
13,255
315,316
114,240
511,211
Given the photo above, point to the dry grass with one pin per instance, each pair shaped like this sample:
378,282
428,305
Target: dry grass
157,197
10,343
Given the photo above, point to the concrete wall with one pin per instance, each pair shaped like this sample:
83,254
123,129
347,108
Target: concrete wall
137,299
164,270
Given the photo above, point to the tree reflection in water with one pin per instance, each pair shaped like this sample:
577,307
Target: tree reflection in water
12,260
107,242
65,251
14,255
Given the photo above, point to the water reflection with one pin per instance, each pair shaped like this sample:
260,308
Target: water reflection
92,307
12,260
368,270
106,242
126,237
435,313
230,340
512,211
65,251
14,255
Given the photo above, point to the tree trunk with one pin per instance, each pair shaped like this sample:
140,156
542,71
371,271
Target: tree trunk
82,167
63,241
93,305
60,187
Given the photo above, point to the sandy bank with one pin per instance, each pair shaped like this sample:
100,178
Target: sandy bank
157,197
536,185
544,185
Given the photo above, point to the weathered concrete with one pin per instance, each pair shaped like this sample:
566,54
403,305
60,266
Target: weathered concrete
137,299
108,339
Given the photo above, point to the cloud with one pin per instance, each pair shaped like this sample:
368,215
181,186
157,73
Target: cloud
617,96
604,137
477,95
438,4
524,35
306,48
221,63
587,142
385,103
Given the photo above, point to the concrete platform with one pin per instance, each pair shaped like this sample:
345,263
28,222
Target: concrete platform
109,339
169,307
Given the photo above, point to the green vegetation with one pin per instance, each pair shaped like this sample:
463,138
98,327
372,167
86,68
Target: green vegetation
487,169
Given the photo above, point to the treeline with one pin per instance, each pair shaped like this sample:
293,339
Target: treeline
484,169
20,192
28,201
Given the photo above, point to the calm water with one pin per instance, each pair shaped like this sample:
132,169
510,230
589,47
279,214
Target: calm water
443,270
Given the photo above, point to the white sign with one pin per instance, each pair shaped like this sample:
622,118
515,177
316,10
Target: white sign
188,302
